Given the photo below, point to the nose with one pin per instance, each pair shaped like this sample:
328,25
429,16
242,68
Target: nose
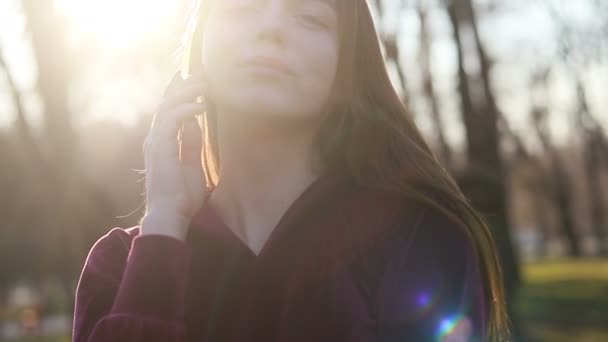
271,20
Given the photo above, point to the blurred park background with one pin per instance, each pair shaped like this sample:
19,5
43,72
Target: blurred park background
512,95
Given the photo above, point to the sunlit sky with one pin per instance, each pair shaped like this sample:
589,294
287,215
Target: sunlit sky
117,23
520,39
103,91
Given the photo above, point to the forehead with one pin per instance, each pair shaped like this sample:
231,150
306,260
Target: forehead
330,2
341,7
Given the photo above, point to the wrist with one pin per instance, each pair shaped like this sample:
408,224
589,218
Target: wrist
160,223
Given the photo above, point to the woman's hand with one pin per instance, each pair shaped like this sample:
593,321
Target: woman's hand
175,180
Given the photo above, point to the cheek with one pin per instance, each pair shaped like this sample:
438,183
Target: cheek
218,46
322,63
219,54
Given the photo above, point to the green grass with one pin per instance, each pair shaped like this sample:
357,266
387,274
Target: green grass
565,301
42,339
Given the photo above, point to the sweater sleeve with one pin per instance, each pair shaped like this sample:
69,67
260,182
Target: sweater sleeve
132,289
431,285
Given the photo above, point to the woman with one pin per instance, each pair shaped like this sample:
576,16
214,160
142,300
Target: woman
307,208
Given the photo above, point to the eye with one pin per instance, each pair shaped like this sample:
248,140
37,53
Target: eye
316,13
238,4
313,19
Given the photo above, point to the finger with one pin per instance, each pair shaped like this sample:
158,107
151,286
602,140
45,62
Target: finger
170,122
178,82
163,135
188,93
198,70
176,79
190,79
191,142
195,75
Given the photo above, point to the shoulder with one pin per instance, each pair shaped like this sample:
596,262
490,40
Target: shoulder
399,223
431,274
431,230
431,242
412,239
116,240
424,239
108,255
406,225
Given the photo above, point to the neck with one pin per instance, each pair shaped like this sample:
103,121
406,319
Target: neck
265,166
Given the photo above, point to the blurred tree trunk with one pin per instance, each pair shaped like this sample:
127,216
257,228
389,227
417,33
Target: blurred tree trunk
23,130
562,189
21,156
429,89
578,50
484,180
543,220
48,38
558,183
595,150
391,48
70,201
392,54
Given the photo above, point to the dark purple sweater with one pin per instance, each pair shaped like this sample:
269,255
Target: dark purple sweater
343,264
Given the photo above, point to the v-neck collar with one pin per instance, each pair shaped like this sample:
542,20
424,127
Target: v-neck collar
209,222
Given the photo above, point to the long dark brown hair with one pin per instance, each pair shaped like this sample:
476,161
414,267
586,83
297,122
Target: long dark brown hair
369,136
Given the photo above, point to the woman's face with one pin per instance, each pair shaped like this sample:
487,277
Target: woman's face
271,57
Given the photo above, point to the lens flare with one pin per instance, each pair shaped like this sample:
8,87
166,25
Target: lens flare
447,326
425,301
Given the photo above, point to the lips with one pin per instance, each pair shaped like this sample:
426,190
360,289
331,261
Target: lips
265,62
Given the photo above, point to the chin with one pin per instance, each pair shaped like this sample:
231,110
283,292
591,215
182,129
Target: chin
270,101
275,104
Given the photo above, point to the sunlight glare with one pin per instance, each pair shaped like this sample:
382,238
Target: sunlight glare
117,23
